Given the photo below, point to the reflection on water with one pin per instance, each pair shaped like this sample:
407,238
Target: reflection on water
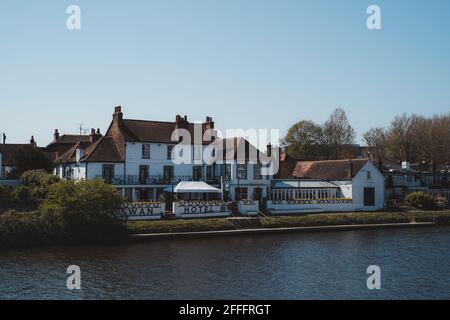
415,263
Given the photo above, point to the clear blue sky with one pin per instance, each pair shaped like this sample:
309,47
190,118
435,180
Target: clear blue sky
247,63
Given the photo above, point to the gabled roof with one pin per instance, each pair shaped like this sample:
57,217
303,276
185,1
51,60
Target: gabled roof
103,150
327,170
65,143
70,155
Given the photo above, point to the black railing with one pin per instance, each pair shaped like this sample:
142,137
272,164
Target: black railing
152,180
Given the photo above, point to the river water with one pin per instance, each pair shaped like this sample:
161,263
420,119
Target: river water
414,263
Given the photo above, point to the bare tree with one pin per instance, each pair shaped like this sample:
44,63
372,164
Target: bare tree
376,141
338,131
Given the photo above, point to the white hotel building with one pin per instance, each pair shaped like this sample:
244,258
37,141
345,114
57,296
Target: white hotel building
136,157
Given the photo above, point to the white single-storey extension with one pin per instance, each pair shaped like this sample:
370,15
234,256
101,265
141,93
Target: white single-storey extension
328,186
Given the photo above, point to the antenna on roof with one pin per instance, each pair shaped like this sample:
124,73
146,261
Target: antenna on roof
83,131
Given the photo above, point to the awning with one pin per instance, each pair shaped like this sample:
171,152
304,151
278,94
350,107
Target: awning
193,187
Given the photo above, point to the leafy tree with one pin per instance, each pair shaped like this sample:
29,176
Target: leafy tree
337,131
34,186
304,141
85,211
30,158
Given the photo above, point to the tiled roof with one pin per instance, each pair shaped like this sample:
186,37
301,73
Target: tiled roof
70,139
326,170
104,150
152,131
70,155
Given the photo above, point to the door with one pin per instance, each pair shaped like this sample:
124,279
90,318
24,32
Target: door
168,174
143,174
369,196
257,196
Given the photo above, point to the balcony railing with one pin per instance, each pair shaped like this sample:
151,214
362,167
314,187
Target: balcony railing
152,180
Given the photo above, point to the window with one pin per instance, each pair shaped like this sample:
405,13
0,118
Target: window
242,171
257,171
369,175
168,173
197,173
209,173
227,170
241,193
128,194
108,172
145,151
169,152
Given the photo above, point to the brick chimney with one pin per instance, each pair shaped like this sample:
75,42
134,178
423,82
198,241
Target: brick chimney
33,142
209,123
118,115
56,135
94,136
181,122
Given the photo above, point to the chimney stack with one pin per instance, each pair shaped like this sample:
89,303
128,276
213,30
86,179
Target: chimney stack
209,123
33,142
4,138
56,135
181,122
269,150
118,115
94,136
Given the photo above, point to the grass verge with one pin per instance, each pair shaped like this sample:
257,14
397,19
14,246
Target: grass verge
310,220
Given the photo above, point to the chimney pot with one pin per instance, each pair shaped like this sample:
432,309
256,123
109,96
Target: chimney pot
118,115
56,135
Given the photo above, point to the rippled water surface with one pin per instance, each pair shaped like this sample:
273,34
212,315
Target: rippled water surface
415,263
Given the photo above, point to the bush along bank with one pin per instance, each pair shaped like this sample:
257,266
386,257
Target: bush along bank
67,213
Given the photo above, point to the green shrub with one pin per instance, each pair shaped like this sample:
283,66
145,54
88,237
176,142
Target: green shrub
420,200
34,186
21,229
6,194
84,211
